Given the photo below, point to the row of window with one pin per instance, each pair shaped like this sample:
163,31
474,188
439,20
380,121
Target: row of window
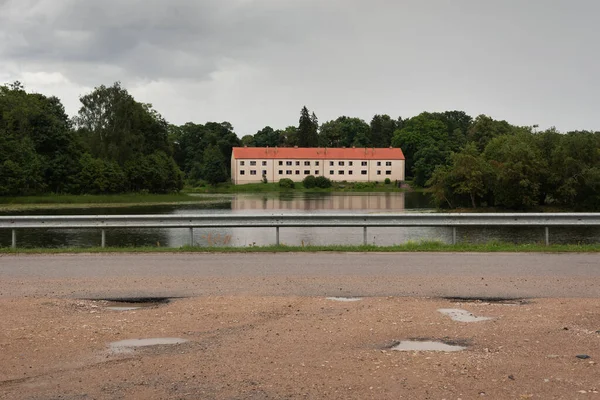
307,172
308,163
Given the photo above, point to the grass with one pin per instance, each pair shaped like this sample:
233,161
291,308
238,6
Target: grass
28,202
491,247
274,187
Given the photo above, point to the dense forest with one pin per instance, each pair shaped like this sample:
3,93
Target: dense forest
116,144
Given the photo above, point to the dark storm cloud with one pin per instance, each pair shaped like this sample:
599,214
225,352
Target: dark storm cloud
150,39
257,62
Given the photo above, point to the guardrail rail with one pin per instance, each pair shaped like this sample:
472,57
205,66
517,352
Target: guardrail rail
451,220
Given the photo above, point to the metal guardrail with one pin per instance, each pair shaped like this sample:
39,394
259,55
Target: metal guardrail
365,221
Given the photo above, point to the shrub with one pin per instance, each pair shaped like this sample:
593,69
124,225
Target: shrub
322,182
286,183
387,181
309,182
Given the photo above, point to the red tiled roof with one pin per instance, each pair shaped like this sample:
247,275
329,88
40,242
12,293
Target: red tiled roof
313,153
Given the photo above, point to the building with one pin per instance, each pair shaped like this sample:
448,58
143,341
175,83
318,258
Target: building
251,164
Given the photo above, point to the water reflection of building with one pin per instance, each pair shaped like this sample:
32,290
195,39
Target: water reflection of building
380,201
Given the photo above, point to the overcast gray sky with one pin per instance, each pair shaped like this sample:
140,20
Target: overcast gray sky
257,62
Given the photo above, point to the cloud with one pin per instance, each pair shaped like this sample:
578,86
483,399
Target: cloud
257,62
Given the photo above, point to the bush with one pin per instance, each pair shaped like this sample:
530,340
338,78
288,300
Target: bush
309,182
364,185
387,181
322,182
286,183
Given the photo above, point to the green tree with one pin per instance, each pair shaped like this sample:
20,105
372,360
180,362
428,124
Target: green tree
267,137
345,132
115,127
424,142
307,129
517,167
382,130
214,169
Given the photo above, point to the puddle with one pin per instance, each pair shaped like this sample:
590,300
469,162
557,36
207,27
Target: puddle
344,299
133,303
507,301
127,346
462,315
412,345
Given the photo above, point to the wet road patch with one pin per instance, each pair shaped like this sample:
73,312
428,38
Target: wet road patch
459,315
127,346
426,345
345,299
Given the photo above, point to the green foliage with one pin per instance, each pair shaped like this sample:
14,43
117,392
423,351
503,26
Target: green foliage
387,181
517,167
309,182
345,132
286,183
307,129
382,130
322,182
214,169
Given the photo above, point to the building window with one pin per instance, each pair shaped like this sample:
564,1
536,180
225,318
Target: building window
242,163
363,172
331,163
264,172
280,162
307,163
388,163
317,163
253,172
364,163
297,162
350,163
349,172
288,172
331,172
252,163
288,163
378,172
379,163
242,172
297,172
341,163
316,172
341,172
306,172
388,172
264,163
280,172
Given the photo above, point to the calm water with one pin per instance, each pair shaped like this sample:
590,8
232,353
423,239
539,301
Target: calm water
278,204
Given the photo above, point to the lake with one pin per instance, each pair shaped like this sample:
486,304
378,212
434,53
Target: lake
279,203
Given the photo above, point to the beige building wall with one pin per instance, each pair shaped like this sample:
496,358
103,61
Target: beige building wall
252,170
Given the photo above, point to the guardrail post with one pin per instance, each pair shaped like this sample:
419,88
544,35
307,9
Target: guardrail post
364,235
103,242
277,236
191,237
453,235
14,239
547,229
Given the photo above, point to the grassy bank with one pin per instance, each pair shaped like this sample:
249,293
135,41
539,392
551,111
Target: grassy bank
57,201
274,187
493,247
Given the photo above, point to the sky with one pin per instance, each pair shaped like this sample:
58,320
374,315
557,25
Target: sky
257,62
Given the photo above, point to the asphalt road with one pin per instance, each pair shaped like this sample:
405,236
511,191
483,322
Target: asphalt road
504,275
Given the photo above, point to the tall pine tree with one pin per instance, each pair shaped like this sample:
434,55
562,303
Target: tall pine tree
307,129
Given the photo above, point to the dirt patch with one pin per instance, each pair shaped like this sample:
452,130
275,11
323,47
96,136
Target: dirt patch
244,347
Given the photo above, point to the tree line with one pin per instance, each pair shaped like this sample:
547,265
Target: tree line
116,144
